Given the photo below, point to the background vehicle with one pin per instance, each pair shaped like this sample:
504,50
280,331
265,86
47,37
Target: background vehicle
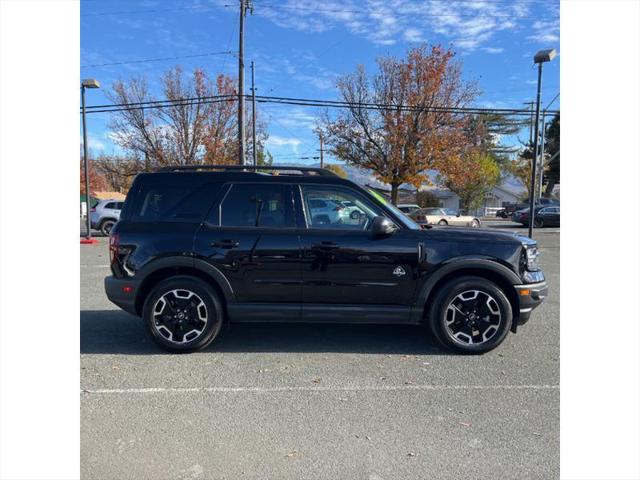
545,216
444,216
408,207
199,246
105,214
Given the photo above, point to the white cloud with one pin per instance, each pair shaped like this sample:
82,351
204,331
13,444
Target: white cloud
277,141
493,50
468,24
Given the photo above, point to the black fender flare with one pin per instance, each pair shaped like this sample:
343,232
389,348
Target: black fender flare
490,265
178,261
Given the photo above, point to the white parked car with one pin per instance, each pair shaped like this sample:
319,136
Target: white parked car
105,215
444,216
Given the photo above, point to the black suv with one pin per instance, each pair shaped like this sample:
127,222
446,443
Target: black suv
199,246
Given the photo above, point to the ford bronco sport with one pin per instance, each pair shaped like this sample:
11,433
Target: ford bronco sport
199,246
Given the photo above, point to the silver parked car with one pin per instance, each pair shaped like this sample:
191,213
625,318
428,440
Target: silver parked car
105,214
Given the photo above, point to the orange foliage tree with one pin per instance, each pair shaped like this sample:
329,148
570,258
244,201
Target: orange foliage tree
410,130
97,181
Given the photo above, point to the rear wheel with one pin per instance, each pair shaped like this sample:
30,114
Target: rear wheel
106,226
183,314
538,222
475,223
442,222
470,315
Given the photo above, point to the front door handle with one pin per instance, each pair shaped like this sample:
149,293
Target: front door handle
326,245
225,244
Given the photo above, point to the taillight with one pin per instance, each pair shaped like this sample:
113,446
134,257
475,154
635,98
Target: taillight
93,209
114,244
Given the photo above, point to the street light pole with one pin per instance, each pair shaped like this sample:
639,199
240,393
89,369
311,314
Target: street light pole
87,83
241,135
539,58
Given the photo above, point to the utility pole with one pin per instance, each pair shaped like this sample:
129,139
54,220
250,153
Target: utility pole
241,137
253,114
321,152
544,128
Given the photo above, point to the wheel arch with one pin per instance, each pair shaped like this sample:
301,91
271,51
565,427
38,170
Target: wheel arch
491,270
171,267
105,219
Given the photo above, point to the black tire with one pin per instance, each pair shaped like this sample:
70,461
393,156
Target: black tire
355,215
475,223
214,314
106,226
439,308
538,222
443,222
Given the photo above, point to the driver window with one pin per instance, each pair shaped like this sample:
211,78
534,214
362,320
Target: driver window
337,208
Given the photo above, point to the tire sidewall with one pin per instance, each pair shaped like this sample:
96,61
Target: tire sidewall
449,291
104,225
538,223
208,296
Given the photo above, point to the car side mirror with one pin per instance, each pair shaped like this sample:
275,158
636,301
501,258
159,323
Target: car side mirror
382,226
458,214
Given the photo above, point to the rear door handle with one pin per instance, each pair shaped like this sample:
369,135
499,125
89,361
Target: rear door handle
225,244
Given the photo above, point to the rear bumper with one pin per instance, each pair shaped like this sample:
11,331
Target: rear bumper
125,298
530,296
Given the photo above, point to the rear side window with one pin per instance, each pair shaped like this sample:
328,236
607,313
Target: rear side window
172,203
257,205
110,205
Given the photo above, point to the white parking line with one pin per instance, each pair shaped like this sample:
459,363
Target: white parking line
382,388
95,266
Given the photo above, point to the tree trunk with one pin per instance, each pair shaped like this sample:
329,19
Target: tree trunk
394,193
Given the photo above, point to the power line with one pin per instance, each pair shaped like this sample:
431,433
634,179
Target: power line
159,59
551,102
307,102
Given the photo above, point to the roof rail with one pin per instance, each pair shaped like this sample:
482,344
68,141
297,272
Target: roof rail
287,170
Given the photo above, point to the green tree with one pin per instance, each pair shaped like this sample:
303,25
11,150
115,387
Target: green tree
471,177
337,169
552,152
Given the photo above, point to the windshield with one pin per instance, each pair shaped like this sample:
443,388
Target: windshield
450,211
407,221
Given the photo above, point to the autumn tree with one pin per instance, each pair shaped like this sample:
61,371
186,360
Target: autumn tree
201,130
552,152
119,171
426,199
97,181
412,128
471,176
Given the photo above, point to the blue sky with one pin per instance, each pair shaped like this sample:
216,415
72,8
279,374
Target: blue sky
301,47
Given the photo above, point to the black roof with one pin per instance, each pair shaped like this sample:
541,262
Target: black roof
224,173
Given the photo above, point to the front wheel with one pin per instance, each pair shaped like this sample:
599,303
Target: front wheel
442,223
470,315
538,222
475,223
183,314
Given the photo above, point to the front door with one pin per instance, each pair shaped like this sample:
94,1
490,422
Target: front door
251,238
343,264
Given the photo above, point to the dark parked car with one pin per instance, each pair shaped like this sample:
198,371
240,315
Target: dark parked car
196,247
545,216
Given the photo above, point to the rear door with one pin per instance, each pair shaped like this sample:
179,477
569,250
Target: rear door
251,238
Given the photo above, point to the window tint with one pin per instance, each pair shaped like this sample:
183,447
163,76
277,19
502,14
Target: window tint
119,205
173,203
338,208
257,205
110,205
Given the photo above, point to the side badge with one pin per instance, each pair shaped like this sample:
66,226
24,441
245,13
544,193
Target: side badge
399,272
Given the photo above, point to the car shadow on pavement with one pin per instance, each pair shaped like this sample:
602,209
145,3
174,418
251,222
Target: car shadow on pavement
117,332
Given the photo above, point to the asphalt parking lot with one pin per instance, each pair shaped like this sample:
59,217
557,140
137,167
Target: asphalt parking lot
313,401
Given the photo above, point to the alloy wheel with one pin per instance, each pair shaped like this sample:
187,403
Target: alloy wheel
472,318
180,316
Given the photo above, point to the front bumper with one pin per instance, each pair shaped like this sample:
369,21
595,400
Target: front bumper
530,296
122,292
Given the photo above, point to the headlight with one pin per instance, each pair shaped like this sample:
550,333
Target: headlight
532,258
